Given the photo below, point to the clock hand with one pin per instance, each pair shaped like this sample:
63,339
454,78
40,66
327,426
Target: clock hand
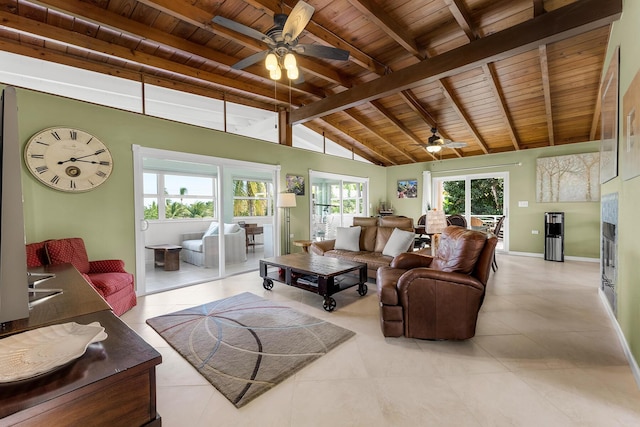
75,159
83,161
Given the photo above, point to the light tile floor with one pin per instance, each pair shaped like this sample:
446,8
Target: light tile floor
545,354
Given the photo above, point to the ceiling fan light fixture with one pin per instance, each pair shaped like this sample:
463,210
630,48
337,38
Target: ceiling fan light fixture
290,61
293,73
434,148
275,74
271,62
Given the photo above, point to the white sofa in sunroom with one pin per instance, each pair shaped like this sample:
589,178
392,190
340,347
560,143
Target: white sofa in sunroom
201,248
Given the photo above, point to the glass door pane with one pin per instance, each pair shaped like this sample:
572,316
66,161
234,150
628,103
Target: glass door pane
480,199
453,197
335,201
487,202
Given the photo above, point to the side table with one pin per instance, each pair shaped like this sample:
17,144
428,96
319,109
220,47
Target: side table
167,256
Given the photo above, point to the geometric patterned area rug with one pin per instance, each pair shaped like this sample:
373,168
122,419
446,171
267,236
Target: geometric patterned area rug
244,345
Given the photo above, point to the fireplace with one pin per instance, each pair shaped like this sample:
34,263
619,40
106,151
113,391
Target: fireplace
609,248
609,261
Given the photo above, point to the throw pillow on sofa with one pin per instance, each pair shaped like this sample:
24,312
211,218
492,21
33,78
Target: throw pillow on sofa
212,230
398,242
348,238
231,228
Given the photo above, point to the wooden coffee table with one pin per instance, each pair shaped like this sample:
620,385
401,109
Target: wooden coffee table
318,274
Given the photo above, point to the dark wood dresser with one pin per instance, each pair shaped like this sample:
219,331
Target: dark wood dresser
112,384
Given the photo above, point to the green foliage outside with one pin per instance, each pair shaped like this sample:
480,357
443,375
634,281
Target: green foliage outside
486,197
175,209
256,202
351,198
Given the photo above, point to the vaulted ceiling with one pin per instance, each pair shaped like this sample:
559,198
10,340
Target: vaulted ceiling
499,75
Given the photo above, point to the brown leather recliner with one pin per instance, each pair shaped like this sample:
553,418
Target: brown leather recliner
437,297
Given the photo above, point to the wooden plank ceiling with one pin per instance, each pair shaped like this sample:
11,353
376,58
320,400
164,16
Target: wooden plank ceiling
500,75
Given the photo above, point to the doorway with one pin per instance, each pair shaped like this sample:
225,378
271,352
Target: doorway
199,206
335,201
482,199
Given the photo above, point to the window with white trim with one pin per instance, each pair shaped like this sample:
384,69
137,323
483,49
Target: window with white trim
170,196
252,198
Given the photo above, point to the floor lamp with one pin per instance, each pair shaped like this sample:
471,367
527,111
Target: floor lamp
287,201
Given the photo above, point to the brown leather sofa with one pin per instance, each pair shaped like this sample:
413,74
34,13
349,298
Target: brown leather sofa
437,297
373,237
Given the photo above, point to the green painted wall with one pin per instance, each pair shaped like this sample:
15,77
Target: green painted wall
582,220
104,217
625,35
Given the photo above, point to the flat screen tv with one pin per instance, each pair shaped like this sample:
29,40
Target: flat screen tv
14,298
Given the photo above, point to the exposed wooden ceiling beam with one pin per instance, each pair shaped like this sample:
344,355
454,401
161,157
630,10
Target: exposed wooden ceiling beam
378,16
401,127
538,7
327,131
321,34
202,19
336,126
380,136
562,23
463,116
105,18
544,67
492,80
143,60
463,18
419,109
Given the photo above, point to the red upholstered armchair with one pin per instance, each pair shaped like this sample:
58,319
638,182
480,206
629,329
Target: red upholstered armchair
437,297
108,277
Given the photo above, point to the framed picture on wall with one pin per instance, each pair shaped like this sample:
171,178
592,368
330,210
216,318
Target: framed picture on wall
295,184
407,188
631,130
609,121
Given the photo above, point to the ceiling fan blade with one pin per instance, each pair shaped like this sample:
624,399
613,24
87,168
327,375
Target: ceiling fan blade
455,144
250,60
298,19
242,29
320,51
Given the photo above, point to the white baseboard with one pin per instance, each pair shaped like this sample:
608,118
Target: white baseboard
633,364
537,255
529,254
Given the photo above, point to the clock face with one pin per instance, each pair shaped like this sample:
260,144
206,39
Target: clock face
68,159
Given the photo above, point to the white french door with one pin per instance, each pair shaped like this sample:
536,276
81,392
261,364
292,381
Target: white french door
481,198
335,201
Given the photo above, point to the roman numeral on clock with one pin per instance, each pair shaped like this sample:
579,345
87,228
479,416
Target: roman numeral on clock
55,179
42,169
101,174
55,135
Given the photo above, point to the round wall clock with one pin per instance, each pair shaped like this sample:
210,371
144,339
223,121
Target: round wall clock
68,159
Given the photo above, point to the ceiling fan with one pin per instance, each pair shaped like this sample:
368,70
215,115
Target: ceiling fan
282,40
435,143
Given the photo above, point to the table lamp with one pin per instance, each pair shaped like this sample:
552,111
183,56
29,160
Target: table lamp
287,201
435,224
